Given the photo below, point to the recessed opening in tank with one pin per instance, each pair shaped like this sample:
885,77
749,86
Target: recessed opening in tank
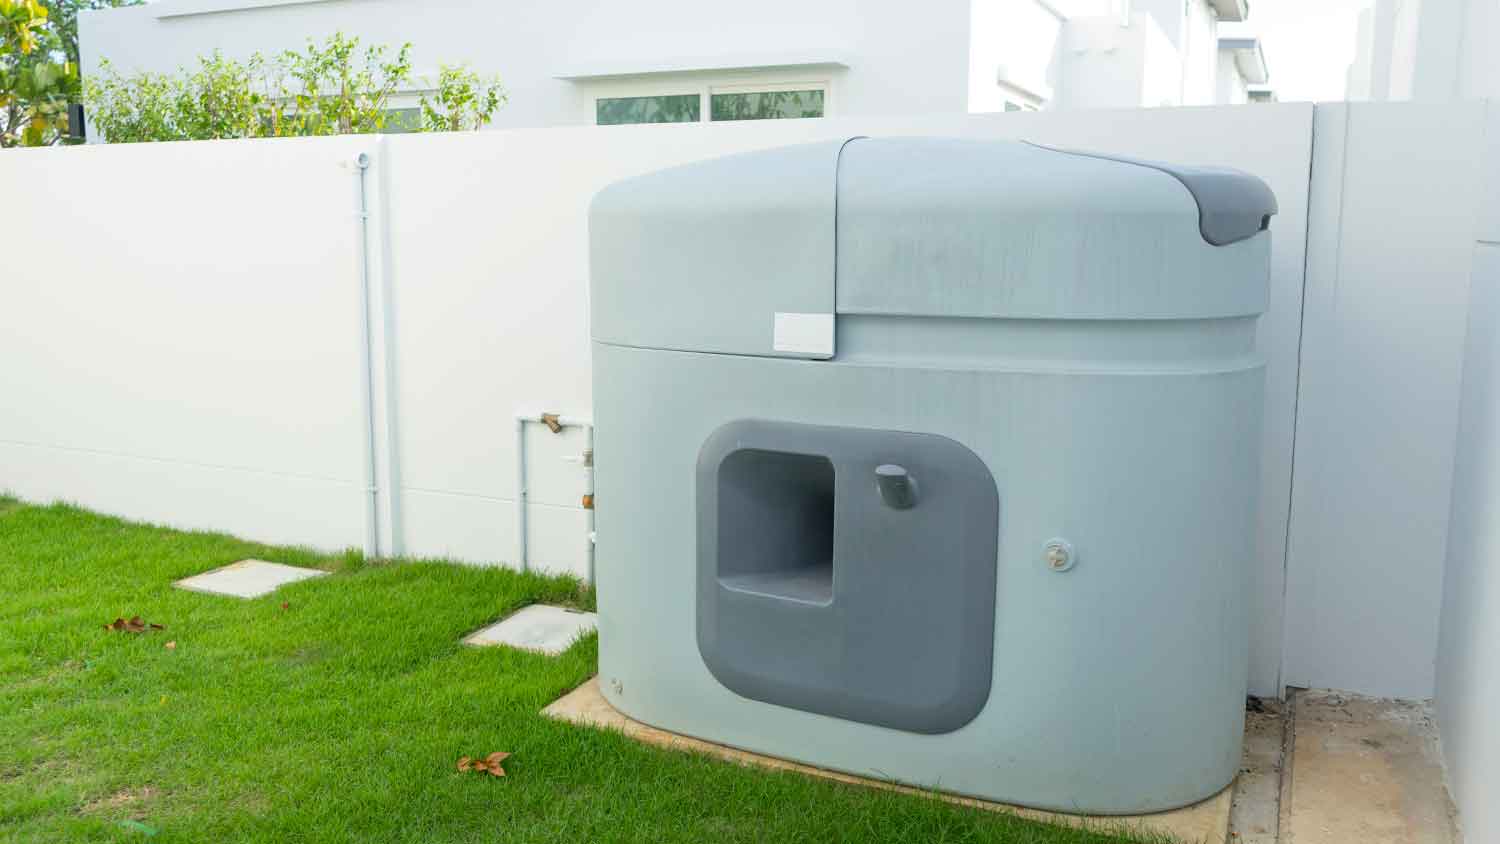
775,525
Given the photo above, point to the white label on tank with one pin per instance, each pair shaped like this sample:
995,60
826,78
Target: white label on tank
803,334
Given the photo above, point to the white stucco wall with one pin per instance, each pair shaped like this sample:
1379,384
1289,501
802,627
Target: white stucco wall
1383,28
869,52
1200,55
872,56
1479,70
1106,64
1170,16
1386,298
1357,77
1098,67
1468,660
183,357
1231,85
1428,51
1405,26
1468,666
1013,40
1191,27
1161,81
1438,53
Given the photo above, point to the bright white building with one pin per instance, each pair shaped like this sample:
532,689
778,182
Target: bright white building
678,60
1242,72
1426,50
1152,53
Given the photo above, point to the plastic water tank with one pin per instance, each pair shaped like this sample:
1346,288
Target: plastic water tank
934,460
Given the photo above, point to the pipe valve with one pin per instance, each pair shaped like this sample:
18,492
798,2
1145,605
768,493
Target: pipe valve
898,489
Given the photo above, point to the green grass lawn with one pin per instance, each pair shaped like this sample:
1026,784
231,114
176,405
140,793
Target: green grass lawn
340,717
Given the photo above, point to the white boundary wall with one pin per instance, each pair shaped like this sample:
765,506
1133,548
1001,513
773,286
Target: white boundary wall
1395,192
179,335
182,342
1468,664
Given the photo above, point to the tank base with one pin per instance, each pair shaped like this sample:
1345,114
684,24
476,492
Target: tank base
1206,821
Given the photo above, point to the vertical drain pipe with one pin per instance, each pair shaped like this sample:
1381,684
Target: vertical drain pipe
367,365
521,493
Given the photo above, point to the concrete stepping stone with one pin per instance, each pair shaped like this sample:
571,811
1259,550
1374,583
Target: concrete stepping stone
540,628
246,579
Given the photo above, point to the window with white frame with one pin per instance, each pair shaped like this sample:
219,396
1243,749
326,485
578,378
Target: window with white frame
766,102
658,108
716,103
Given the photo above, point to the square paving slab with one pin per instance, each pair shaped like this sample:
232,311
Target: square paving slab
540,627
246,579
1200,823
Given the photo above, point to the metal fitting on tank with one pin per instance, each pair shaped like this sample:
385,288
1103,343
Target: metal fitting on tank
1058,554
898,489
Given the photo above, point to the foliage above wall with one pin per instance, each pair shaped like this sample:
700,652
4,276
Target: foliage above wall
333,88
39,67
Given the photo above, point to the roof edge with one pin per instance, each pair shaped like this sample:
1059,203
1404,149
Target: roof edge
1231,10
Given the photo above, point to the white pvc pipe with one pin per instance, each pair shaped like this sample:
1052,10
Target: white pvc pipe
390,537
587,424
565,421
367,380
521,493
588,483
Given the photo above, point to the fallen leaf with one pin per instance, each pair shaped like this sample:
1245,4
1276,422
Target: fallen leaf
135,624
489,764
494,760
171,646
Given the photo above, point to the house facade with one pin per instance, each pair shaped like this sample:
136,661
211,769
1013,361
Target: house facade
1426,50
674,60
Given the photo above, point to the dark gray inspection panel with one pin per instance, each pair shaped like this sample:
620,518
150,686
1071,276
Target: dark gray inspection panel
848,572
1232,204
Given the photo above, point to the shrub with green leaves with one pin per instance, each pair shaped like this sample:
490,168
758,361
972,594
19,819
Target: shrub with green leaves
341,90
332,88
142,108
463,100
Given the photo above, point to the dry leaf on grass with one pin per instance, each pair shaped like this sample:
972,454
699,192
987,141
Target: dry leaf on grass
171,646
134,625
489,764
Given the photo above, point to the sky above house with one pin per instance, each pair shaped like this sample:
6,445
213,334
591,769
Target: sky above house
1308,44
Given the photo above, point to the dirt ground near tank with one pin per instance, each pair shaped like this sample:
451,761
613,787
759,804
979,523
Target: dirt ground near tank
1334,768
